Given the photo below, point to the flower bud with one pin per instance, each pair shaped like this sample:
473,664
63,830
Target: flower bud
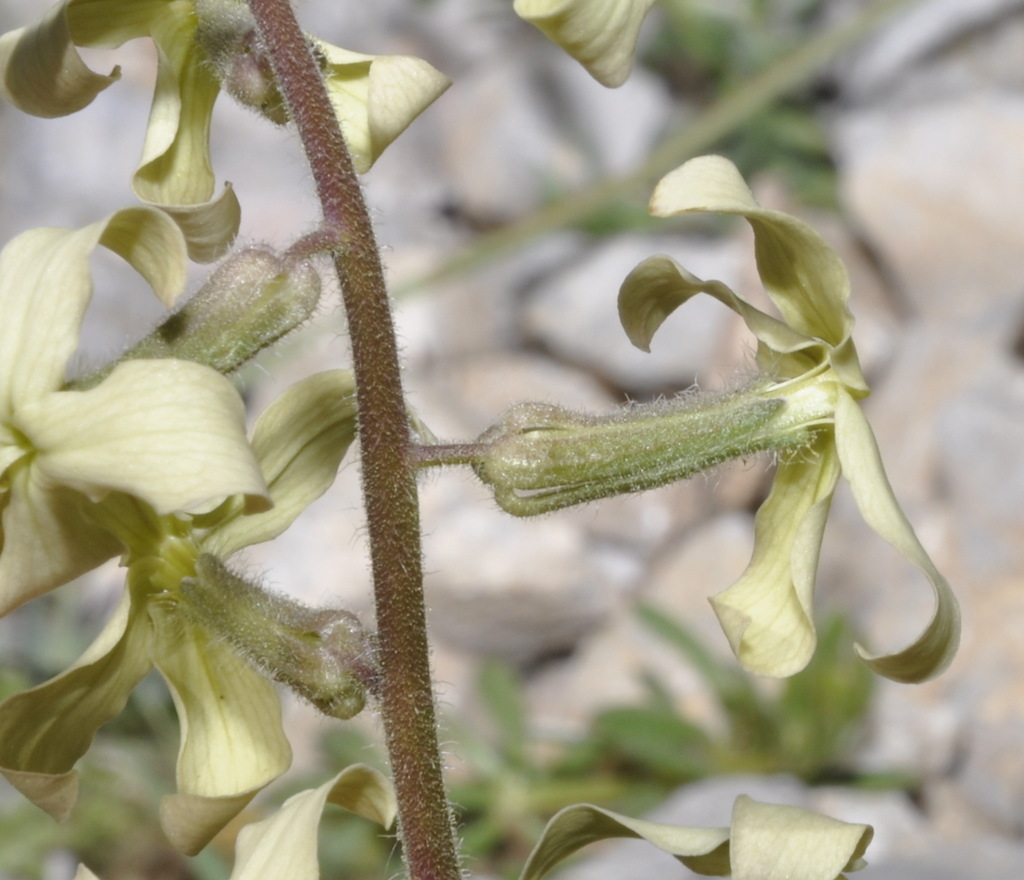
226,32
323,654
249,302
542,457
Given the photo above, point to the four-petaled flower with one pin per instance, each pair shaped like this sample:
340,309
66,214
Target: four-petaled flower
170,433
232,744
812,365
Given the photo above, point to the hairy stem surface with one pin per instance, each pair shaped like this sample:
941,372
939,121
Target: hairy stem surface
388,472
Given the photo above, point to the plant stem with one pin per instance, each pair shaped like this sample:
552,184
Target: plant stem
388,470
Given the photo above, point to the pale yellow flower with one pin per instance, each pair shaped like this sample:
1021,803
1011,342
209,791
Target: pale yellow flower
170,433
41,72
764,842
810,361
232,744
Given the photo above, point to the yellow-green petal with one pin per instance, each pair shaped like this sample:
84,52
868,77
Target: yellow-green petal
600,34
767,613
169,432
804,277
703,850
44,731
46,285
42,73
232,744
377,97
175,170
46,539
659,285
776,842
858,451
299,441
284,845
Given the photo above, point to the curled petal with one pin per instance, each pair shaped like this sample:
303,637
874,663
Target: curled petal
804,277
776,842
376,97
169,432
46,539
659,285
300,441
600,34
232,744
933,651
285,844
766,614
175,172
703,850
41,71
44,731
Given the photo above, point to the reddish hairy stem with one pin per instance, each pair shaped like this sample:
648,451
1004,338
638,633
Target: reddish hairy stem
388,471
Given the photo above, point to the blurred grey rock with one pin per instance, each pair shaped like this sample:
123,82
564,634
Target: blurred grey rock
928,185
574,313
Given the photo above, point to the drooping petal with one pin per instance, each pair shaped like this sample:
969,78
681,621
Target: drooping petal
169,432
44,731
300,441
659,285
45,540
377,97
858,451
766,614
232,744
175,172
703,850
285,844
45,286
600,34
804,277
776,842
42,73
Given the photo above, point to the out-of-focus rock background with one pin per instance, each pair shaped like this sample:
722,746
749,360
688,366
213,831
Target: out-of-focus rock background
921,124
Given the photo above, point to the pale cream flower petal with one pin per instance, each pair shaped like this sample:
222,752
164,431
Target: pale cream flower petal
175,171
83,873
44,731
803,275
232,743
46,539
300,441
767,613
169,432
284,845
777,842
45,286
659,285
600,34
377,97
703,850
934,650
42,73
